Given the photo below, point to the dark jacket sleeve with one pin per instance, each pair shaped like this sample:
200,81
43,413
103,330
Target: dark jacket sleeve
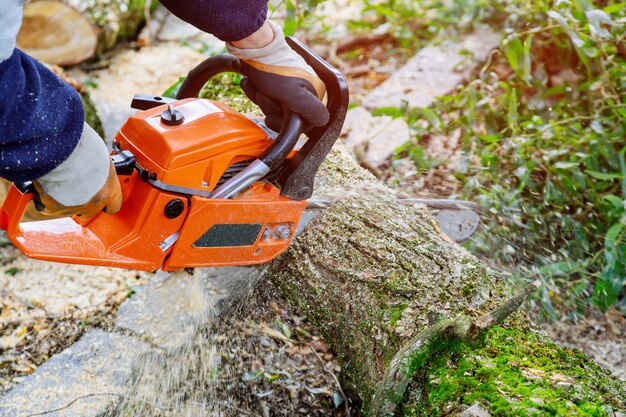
41,119
228,20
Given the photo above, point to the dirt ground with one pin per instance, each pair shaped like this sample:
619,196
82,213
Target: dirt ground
45,307
601,336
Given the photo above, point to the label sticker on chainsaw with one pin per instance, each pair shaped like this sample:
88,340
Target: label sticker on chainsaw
223,235
192,111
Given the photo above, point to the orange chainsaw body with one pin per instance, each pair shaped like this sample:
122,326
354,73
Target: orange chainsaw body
209,232
202,184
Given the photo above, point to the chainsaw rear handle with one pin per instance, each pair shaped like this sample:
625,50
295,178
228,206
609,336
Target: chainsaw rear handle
292,126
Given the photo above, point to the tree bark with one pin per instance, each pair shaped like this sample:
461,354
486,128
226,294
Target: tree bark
416,320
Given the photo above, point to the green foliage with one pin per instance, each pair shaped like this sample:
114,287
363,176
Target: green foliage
91,115
11,271
297,13
411,22
544,128
172,90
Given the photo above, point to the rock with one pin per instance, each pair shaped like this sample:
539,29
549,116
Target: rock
433,71
373,138
168,310
82,381
475,411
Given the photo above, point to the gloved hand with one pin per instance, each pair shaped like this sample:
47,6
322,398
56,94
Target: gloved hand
84,184
276,73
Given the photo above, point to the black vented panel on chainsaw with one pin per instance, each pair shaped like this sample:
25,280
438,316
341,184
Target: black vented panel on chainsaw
224,235
233,170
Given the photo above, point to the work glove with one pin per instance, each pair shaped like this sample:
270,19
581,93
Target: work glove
84,184
276,73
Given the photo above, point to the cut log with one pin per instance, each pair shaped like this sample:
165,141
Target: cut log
54,32
71,31
419,323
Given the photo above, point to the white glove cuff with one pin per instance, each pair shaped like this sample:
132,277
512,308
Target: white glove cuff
278,53
82,174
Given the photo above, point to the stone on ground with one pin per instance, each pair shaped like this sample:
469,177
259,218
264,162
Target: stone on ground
82,381
475,411
373,138
168,310
434,71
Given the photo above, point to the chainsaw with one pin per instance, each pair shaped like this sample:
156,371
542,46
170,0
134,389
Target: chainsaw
202,184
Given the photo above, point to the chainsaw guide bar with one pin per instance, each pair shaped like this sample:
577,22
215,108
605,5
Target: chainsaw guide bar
458,219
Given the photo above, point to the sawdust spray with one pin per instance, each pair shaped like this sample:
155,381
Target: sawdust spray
187,381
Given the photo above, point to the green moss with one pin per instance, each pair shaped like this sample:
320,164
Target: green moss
518,373
91,115
468,289
225,88
396,313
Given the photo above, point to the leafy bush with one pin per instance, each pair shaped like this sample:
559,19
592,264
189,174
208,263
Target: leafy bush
544,127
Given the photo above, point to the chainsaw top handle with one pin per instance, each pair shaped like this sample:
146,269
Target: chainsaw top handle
296,175
292,126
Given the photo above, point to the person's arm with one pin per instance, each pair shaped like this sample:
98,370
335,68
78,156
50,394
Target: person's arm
43,136
230,20
274,72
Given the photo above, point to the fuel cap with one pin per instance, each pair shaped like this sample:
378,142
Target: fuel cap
171,116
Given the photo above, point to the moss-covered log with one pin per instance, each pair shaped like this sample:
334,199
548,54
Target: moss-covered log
400,304
117,20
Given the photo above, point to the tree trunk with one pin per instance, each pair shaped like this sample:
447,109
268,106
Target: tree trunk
415,319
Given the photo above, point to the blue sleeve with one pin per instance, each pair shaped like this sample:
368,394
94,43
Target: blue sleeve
228,20
41,119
